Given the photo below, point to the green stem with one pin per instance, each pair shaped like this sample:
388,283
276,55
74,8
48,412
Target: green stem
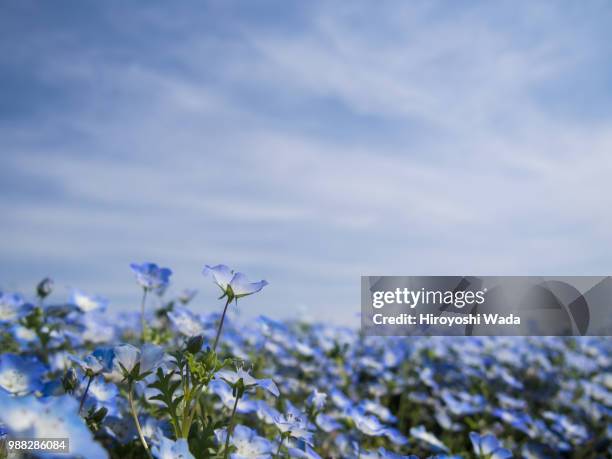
221,324
230,429
85,393
142,314
191,412
135,416
280,445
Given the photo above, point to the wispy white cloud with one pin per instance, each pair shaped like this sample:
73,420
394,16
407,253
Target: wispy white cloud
416,138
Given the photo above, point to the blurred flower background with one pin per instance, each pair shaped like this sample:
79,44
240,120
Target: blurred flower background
305,142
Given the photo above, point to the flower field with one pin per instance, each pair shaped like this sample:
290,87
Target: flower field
167,382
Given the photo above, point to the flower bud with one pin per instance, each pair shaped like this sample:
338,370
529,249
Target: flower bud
44,287
194,344
70,381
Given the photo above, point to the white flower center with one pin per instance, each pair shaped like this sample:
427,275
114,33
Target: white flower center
13,381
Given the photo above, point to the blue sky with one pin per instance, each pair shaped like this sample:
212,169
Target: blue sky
307,143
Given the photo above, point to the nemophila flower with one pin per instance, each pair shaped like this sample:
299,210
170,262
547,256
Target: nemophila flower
20,375
295,425
317,399
233,284
90,364
186,322
382,453
138,362
517,419
247,444
444,419
150,276
327,423
22,335
369,425
97,328
340,400
222,390
88,303
301,450
395,436
171,449
428,439
460,407
382,412
568,429
265,412
99,361
12,307
232,377
187,295
52,417
488,446
511,402
104,394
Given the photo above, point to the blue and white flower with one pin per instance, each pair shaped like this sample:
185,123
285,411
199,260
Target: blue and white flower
88,303
232,377
150,276
20,375
488,447
247,444
233,284
52,417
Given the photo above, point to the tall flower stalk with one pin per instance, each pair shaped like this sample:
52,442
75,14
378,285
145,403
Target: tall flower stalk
150,277
135,417
221,323
238,391
135,365
143,323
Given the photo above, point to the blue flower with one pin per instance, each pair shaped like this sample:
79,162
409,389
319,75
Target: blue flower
247,443
317,399
90,364
326,423
384,454
128,357
233,285
295,424
150,276
97,328
185,321
187,295
232,377
12,307
170,449
222,390
302,450
489,447
369,425
88,303
428,439
20,375
52,417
